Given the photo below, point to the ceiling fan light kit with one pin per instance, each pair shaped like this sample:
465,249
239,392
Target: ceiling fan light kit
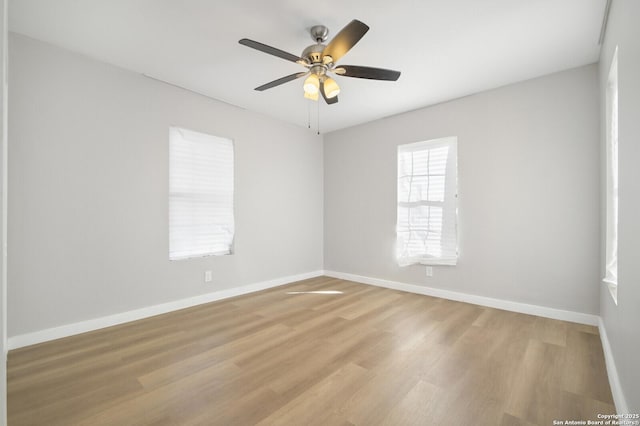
311,96
331,88
312,85
320,60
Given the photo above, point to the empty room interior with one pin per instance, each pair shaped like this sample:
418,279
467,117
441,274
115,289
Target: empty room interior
334,213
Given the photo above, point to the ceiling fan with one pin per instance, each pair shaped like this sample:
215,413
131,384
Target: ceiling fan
320,60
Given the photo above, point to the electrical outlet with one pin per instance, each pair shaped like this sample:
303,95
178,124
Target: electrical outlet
208,277
429,271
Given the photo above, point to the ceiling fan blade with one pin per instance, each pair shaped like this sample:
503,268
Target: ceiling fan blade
367,72
270,50
280,81
345,40
329,101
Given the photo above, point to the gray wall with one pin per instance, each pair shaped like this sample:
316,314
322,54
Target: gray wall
622,321
88,202
528,161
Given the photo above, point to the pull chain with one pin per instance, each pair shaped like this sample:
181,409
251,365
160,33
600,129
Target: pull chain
308,114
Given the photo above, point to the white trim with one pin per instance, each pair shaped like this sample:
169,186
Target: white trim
612,372
613,290
507,305
149,311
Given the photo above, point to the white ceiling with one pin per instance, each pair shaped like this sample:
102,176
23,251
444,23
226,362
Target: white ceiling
445,49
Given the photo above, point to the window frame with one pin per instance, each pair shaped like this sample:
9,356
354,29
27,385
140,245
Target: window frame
203,194
449,204
610,278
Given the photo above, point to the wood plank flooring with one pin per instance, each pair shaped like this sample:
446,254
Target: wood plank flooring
296,355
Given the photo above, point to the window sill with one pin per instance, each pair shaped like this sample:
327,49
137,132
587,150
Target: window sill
196,256
427,262
439,262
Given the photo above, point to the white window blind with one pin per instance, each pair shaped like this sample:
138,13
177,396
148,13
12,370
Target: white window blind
611,261
200,194
426,229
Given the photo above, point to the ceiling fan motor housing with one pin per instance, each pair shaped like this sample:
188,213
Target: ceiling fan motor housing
313,53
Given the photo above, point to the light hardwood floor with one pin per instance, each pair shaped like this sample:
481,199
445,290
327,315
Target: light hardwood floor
365,356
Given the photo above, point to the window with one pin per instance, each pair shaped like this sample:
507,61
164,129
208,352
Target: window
611,261
426,229
200,194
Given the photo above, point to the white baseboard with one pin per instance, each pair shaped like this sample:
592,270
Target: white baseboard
612,372
28,339
507,305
